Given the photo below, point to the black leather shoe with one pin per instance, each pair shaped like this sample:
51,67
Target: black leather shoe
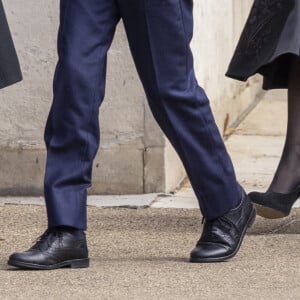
273,205
222,237
54,249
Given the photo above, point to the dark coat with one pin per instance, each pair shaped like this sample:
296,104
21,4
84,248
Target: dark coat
9,65
270,38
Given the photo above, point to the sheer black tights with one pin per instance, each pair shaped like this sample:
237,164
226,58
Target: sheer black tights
287,175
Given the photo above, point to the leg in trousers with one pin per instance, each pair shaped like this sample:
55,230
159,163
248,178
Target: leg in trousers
159,34
72,133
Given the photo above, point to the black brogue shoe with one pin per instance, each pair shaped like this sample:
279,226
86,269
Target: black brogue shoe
55,249
222,237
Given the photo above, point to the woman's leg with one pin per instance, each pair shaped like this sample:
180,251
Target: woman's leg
287,175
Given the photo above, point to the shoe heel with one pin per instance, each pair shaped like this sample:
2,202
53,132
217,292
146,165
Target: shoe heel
80,263
252,218
269,213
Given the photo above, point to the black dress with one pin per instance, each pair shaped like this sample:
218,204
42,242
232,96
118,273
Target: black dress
270,39
9,65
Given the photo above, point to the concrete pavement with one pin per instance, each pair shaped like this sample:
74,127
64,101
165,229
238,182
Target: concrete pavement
142,253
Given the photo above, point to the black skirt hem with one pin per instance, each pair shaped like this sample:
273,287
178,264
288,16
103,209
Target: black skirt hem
275,73
268,44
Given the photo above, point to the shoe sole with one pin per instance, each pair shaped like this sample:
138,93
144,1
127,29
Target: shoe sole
74,264
269,213
249,223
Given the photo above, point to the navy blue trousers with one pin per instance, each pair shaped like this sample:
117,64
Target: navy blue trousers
159,33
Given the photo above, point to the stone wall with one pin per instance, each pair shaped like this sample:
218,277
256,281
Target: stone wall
135,156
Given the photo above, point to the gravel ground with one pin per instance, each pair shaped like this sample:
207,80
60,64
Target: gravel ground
142,254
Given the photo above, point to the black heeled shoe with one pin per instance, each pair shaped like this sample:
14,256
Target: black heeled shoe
272,205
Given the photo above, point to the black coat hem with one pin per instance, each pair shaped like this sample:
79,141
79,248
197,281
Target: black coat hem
6,83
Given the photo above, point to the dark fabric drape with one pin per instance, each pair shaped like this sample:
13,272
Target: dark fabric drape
270,38
9,65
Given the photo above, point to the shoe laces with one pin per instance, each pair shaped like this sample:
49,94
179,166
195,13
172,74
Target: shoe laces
221,220
45,240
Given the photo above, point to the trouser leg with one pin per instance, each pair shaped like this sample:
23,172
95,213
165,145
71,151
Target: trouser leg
159,33
72,130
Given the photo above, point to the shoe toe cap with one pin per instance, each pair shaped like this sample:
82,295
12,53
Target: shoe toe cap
210,250
31,257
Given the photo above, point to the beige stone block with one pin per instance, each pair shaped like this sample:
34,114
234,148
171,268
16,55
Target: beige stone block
163,169
22,172
255,146
268,118
154,170
236,106
25,106
255,159
154,136
122,112
175,172
228,97
118,170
